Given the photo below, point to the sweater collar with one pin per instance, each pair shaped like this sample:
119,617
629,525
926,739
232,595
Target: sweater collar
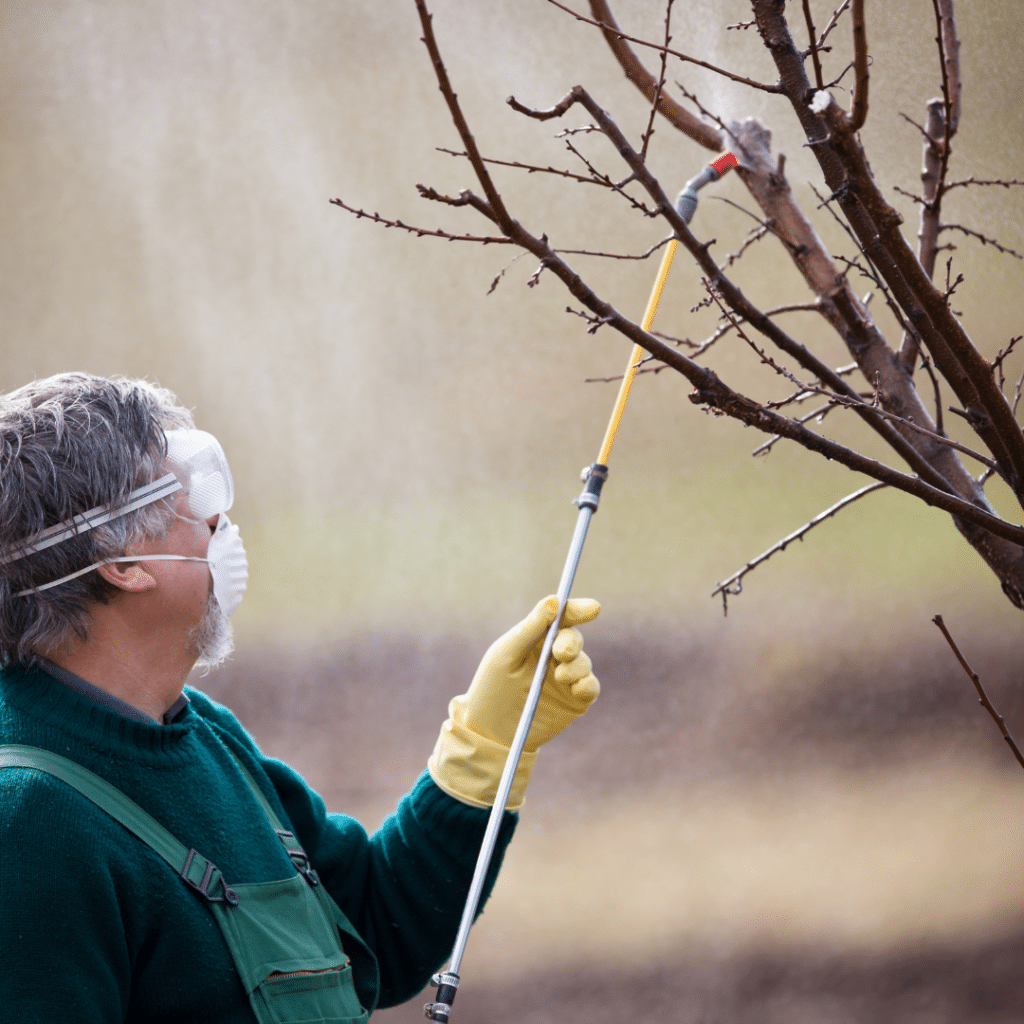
107,700
72,720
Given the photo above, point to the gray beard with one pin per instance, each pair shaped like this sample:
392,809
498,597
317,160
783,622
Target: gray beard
214,637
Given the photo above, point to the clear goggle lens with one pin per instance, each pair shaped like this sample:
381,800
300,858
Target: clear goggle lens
198,461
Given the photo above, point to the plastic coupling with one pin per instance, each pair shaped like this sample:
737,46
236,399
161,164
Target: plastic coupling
593,478
686,201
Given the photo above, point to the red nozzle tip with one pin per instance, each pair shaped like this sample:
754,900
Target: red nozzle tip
725,163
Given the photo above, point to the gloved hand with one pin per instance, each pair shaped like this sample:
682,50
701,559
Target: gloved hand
474,742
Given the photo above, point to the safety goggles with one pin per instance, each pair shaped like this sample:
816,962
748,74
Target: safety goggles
198,466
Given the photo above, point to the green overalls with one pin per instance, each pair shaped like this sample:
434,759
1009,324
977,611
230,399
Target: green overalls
283,936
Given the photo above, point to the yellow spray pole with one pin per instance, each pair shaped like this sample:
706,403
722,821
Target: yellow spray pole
447,981
638,353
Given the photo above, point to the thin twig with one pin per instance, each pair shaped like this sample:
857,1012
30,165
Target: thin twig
927,364
952,285
595,173
756,234
678,342
710,115
494,201
660,88
910,195
596,322
982,695
873,275
819,414
842,74
615,255
981,238
501,273
833,21
1005,182
729,324
420,232
619,376
949,58
675,53
733,586
814,45
531,168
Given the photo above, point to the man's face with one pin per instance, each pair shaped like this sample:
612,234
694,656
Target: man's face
177,605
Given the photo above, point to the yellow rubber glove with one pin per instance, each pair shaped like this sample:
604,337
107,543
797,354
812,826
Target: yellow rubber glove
471,750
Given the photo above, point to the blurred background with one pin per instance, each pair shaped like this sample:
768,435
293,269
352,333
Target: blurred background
797,812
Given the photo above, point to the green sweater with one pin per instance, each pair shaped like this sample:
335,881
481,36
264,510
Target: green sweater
95,927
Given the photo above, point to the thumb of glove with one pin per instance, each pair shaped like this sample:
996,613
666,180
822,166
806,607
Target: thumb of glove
523,642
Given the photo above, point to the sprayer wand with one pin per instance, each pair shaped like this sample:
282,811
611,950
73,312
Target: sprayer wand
594,476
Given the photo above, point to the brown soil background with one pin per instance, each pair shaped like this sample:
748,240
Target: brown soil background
676,714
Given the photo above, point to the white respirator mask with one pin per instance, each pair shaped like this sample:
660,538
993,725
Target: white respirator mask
200,469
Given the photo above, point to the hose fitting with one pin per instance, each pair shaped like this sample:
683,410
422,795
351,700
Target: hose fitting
686,201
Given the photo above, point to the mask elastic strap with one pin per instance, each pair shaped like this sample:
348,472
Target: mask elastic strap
110,561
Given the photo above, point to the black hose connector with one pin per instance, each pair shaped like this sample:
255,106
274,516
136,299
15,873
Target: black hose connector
447,985
594,477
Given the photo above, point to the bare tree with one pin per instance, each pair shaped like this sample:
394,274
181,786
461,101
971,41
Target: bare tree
934,340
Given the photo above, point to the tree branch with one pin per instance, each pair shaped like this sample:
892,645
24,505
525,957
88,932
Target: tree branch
982,695
928,231
677,115
985,530
982,238
420,232
1005,182
833,21
949,55
586,179
733,586
859,107
846,401
814,45
615,255
660,88
611,27
493,197
877,227
818,414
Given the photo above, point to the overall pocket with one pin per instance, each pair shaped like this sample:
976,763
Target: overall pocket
288,954
311,997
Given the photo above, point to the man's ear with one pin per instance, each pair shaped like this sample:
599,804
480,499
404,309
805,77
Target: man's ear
131,577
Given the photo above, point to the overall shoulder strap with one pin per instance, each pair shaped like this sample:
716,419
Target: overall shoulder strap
256,791
194,869
296,854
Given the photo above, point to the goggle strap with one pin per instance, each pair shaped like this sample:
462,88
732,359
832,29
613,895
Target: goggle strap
85,521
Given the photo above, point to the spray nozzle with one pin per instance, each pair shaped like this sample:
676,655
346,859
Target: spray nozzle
686,201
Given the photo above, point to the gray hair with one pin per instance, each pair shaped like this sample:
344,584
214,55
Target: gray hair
68,444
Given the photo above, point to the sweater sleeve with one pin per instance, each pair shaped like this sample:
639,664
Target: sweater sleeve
404,887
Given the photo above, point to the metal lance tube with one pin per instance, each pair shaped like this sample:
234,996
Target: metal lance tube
447,981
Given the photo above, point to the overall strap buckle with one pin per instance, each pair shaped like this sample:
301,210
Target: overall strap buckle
209,876
297,855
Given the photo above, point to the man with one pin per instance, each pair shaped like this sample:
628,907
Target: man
154,864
